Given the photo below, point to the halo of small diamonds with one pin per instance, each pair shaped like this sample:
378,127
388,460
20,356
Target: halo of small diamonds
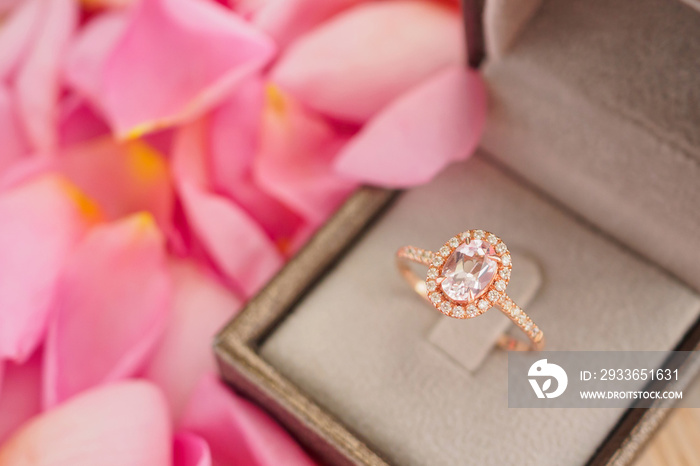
493,294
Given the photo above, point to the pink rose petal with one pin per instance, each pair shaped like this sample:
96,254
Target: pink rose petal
14,143
286,20
237,431
246,8
112,306
17,34
25,170
38,80
20,394
102,4
360,60
42,220
215,153
116,425
200,308
190,450
124,178
190,157
415,137
234,138
235,135
89,51
295,160
143,84
8,5
78,122
237,245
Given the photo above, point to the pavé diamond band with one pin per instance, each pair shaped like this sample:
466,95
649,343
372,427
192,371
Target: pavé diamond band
467,277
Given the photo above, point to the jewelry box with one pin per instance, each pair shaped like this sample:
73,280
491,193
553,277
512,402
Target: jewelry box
589,169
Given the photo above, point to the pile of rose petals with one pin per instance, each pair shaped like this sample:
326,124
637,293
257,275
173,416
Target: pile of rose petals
159,162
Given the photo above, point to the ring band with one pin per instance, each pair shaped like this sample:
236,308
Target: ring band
467,277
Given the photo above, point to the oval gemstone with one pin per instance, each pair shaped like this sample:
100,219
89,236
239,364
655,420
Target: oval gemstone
469,270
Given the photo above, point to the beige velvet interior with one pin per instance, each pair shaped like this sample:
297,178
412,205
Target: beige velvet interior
595,103
359,342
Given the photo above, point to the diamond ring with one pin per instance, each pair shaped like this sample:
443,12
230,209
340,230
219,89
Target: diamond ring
467,277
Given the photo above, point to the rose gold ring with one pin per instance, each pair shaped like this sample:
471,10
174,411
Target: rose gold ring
467,277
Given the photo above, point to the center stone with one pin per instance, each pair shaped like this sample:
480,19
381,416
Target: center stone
469,270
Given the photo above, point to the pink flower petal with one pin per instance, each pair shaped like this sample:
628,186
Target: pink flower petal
38,81
190,161
295,160
112,306
20,394
17,34
246,8
123,178
235,135
200,308
237,431
24,170
409,142
78,122
7,5
190,450
102,4
356,63
285,20
238,246
116,425
14,143
215,152
89,51
42,220
234,138
143,83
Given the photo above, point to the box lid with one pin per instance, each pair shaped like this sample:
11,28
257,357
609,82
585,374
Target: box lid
598,104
